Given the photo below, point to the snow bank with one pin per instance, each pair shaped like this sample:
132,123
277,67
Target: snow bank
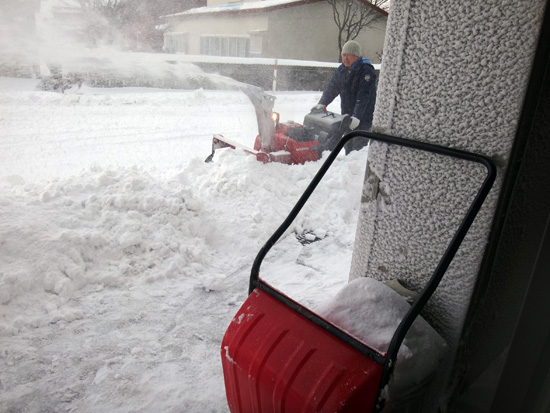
124,256
90,230
125,227
371,311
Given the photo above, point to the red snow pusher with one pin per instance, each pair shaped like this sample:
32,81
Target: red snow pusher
277,355
290,142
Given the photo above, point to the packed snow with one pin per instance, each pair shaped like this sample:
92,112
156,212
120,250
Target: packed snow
371,311
124,256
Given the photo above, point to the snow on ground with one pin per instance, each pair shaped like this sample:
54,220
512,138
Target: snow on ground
124,256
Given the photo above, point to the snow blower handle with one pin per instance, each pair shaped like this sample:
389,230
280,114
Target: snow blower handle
388,361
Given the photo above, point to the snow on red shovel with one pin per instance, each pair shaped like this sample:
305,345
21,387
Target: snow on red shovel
279,356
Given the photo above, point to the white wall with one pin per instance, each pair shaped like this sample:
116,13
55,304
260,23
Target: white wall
214,25
305,32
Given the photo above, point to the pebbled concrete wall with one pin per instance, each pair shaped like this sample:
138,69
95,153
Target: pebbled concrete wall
453,74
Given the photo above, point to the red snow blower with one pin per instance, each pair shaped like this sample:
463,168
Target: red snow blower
290,142
279,356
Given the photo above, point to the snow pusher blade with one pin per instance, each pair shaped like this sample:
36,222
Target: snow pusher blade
290,143
275,360
278,355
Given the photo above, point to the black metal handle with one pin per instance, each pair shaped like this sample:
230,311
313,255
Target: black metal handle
389,359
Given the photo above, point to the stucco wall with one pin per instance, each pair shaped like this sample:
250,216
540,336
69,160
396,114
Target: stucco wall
313,34
302,33
451,76
456,76
372,40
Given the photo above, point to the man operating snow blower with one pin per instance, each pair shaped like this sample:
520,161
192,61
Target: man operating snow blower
287,142
355,82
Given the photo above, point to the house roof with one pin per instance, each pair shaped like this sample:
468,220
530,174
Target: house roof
259,6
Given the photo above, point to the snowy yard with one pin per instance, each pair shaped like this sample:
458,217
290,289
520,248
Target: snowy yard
124,256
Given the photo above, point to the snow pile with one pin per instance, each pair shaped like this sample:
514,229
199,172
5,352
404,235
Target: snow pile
125,227
128,281
90,230
124,256
371,311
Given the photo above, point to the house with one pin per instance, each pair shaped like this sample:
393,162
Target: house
282,29
61,23
18,48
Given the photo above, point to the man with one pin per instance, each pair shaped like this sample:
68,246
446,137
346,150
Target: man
355,82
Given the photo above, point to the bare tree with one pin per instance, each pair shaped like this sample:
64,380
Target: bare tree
133,24
352,16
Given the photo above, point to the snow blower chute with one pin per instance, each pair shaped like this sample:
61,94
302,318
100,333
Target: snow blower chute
279,356
290,142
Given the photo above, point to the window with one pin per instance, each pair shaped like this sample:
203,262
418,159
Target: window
225,46
176,42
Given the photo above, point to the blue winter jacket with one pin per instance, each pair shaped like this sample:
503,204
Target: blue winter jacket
357,89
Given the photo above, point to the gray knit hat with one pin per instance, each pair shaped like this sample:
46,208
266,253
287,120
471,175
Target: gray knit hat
352,47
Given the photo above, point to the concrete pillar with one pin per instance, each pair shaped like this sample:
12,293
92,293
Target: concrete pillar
453,74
